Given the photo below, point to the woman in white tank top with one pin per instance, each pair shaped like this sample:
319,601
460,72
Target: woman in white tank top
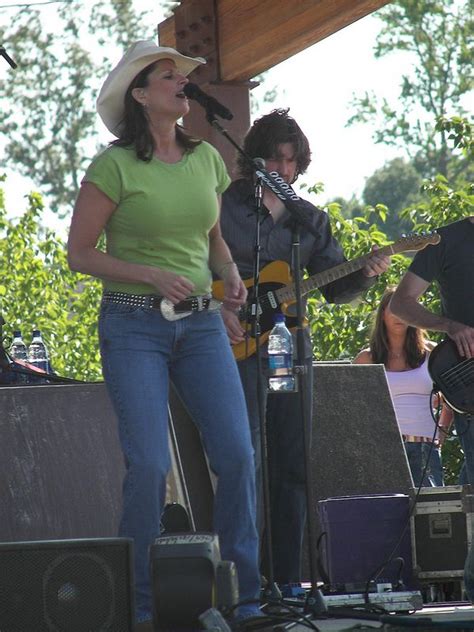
404,351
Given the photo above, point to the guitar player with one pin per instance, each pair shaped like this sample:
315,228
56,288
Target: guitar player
451,265
277,138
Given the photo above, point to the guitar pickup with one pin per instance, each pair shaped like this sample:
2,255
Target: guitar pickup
272,299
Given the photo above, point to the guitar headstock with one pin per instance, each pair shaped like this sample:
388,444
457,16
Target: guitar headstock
416,242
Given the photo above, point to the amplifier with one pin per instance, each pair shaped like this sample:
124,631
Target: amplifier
441,531
366,537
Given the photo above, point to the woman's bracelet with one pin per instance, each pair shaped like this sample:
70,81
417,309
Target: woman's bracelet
224,266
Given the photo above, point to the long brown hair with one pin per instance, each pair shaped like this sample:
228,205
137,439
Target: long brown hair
135,130
415,341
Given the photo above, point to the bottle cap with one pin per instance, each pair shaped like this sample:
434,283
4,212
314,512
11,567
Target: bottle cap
278,318
36,332
17,333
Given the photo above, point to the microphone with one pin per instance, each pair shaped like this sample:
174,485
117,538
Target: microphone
259,163
210,104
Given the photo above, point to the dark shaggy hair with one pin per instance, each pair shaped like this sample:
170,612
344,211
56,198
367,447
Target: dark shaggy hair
415,342
267,133
135,130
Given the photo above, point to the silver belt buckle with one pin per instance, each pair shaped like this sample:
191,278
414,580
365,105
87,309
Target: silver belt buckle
168,312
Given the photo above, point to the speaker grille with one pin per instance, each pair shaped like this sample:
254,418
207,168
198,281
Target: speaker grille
66,586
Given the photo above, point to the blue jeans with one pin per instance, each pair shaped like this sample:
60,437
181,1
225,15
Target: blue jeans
141,352
417,455
286,468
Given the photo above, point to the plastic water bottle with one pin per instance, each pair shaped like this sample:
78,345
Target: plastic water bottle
18,349
280,357
37,352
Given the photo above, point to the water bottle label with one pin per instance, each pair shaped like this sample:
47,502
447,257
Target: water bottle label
279,361
43,365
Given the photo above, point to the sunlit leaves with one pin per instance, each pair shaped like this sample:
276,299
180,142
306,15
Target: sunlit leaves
38,290
47,113
434,41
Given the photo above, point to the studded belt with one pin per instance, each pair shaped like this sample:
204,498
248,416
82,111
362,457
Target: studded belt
168,310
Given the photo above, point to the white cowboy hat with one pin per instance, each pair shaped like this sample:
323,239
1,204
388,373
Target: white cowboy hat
110,103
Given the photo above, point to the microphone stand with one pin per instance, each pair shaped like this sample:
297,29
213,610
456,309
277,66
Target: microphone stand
271,590
314,601
6,56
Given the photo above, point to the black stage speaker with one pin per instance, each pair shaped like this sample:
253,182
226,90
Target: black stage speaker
66,586
61,466
189,578
357,448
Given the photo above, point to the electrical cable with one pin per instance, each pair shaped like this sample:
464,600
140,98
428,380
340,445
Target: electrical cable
265,619
264,622
298,616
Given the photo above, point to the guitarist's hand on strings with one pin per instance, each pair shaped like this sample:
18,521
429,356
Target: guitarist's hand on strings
376,264
463,336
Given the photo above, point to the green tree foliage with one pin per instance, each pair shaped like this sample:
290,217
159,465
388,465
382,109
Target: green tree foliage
261,101
437,37
169,6
47,105
396,185
349,208
37,289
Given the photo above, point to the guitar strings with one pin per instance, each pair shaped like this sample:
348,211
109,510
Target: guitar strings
460,375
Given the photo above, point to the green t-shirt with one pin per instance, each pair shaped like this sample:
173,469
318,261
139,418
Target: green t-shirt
164,211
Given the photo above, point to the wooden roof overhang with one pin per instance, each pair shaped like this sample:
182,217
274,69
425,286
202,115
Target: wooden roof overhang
246,37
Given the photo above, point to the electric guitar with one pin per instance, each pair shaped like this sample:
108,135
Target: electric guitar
453,375
277,292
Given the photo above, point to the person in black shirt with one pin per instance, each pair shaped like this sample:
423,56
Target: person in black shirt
451,265
277,138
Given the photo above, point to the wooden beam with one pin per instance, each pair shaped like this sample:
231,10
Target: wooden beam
166,33
255,35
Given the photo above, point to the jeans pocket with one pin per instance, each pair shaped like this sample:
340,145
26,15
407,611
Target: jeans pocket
116,310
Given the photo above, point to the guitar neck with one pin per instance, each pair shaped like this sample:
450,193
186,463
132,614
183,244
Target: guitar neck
287,293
